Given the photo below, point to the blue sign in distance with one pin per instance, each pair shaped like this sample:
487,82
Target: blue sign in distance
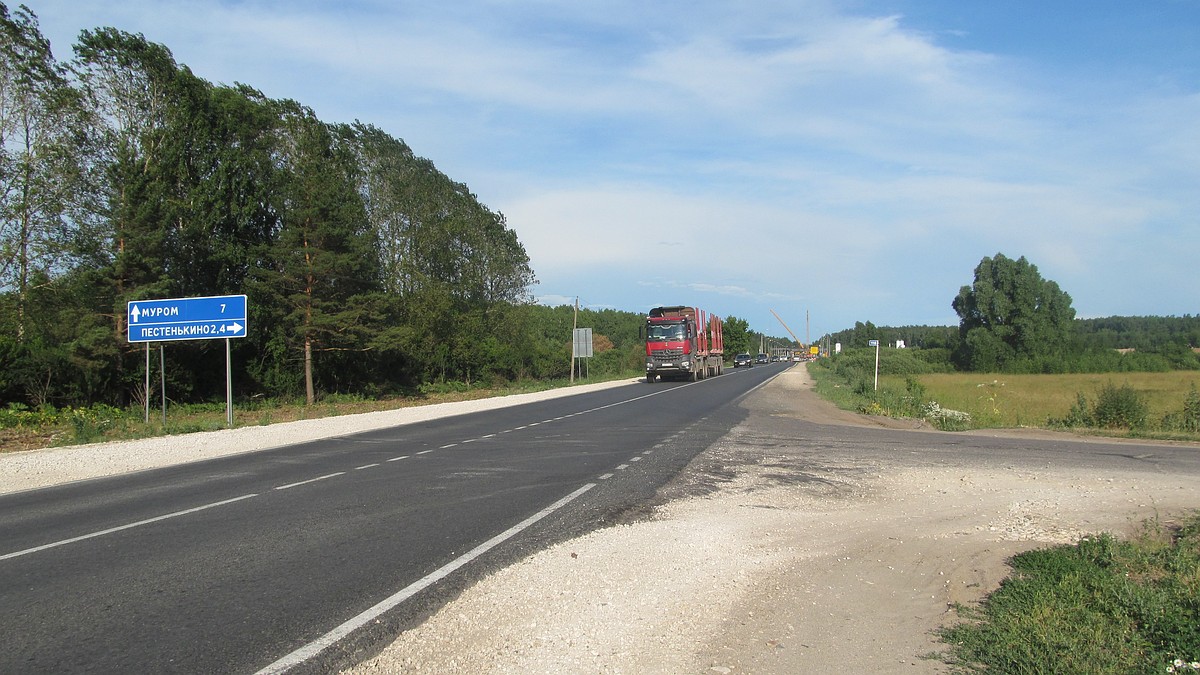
210,318
872,343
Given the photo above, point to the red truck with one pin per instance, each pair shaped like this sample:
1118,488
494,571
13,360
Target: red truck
683,343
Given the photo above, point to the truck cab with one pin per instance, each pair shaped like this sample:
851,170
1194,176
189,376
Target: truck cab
682,343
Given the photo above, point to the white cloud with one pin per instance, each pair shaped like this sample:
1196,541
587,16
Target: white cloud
782,152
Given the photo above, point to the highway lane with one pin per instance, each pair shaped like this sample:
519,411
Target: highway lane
230,564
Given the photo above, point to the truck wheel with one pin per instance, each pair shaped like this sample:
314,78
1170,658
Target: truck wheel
650,378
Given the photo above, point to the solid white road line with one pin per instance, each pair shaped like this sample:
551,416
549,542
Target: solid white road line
317,646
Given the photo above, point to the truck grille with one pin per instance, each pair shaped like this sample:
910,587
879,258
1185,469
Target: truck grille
667,354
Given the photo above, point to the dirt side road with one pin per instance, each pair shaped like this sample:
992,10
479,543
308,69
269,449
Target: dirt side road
757,563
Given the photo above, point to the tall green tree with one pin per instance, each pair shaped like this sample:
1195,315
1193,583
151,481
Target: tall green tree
1012,318
38,172
129,85
736,333
322,262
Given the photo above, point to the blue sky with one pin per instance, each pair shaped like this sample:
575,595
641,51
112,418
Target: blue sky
845,161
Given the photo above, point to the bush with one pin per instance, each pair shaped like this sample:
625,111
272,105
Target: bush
1119,408
18,415
1078,417
1188,419
1115,408
91,424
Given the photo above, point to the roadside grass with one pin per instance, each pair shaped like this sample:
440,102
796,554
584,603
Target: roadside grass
959,401
22,429
1011,401
1103,605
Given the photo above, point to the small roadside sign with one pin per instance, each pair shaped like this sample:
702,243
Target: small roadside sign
873,343
581,344
206,318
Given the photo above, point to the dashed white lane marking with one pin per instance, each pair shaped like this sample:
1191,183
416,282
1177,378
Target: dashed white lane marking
315,647
310,480
606,476
124,527
635,459
332,475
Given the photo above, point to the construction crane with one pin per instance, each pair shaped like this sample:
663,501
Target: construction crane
789,330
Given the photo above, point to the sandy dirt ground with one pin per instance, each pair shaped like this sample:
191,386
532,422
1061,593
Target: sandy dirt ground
768,572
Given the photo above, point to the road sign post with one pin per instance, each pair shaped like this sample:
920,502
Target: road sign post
875,344
206,318
581,345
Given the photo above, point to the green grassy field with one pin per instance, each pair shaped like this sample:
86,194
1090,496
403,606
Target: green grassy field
1030,400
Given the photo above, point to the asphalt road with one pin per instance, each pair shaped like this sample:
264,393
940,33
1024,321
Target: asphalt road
308,556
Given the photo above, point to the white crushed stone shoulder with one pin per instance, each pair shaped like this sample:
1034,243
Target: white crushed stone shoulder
33,469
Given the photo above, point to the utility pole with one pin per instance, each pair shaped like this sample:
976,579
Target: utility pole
574,325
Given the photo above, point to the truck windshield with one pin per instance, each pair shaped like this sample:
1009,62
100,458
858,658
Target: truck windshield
661,332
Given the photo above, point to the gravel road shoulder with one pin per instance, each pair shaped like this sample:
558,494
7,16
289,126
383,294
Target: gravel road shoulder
31,469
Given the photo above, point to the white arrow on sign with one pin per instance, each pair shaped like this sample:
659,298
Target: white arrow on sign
135,313
235,327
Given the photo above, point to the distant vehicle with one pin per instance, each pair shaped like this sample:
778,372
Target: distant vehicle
683,343
743,360
762,358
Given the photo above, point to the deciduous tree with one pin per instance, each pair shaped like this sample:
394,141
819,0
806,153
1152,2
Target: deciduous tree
1012,318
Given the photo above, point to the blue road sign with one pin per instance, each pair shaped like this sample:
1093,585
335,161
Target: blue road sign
210,318
872,343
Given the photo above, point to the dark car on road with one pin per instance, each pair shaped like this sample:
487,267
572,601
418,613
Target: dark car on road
742,360
762,358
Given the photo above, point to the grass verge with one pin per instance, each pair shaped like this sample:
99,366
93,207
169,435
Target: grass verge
1103,606
960,401
29,430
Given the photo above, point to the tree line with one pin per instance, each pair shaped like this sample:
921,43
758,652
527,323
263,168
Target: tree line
1013,320
124,176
